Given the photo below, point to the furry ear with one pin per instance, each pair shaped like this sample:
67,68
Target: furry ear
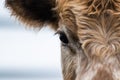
34,12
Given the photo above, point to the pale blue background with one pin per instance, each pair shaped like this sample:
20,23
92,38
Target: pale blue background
26,54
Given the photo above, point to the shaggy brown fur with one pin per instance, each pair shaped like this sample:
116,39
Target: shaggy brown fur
102,74
92,28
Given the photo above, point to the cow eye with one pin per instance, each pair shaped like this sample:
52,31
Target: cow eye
63,38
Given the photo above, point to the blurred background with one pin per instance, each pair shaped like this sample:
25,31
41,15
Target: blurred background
26,54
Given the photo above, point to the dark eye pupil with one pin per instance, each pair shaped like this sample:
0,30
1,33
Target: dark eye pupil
63,38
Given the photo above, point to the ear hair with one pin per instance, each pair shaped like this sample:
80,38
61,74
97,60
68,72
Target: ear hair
34,12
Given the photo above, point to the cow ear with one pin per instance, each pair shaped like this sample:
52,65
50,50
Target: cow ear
35,13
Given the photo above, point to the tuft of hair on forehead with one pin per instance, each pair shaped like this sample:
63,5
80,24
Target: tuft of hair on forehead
99,6
91,6
35,13
99,33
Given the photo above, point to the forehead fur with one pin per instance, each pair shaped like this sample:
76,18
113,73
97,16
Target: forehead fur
96,23
69,10
89,6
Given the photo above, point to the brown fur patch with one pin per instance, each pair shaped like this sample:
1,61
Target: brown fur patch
102,75
100,37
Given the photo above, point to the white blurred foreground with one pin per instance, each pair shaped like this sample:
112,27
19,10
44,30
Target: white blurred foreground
27,54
